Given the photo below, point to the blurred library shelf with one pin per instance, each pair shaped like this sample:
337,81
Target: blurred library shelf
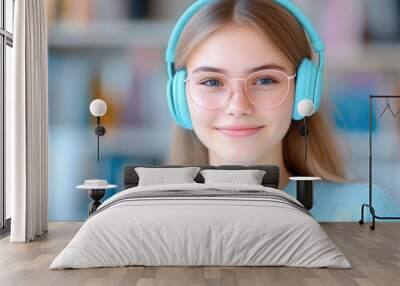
381,143
383,57
127,34
119,141
137,140
155,33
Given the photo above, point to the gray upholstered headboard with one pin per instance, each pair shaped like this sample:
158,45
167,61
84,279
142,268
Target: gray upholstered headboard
270,179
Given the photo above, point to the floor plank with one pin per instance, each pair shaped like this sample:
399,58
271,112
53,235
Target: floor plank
374,255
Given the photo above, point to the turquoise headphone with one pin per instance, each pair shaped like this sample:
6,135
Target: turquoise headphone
309,76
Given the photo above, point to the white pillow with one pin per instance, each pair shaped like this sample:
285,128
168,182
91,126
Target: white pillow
161,176
250,177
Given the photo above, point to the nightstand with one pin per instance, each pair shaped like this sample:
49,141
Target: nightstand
304,190
96,190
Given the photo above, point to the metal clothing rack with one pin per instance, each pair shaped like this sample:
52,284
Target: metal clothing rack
370,205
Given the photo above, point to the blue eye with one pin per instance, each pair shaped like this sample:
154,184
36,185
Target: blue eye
266,81
211,82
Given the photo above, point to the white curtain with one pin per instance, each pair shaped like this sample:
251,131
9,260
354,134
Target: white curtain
27,124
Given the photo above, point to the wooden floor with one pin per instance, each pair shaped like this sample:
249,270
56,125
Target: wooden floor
374,255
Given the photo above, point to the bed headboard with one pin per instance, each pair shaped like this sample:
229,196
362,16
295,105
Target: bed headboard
270,179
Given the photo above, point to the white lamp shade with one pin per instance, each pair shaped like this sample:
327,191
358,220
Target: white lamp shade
98,107
305,107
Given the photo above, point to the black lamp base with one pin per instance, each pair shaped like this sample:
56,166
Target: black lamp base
304,193
96,195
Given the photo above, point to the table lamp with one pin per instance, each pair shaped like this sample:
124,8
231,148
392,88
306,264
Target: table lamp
305,108
304,185
98,108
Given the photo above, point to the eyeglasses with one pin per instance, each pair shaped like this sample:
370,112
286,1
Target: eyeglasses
267,88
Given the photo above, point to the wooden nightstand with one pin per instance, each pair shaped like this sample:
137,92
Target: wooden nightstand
96,190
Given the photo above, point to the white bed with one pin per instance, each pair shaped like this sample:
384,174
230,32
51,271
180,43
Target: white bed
251,225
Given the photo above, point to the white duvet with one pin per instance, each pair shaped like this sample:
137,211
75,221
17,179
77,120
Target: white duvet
200,231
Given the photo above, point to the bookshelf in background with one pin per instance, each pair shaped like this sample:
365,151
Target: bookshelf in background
103,49
112,51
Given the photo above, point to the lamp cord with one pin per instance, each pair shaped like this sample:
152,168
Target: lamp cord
98,141
305,138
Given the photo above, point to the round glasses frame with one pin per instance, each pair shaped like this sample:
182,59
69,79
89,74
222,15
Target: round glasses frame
289,77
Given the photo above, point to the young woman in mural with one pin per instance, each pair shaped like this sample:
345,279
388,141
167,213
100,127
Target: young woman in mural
241,64
238,36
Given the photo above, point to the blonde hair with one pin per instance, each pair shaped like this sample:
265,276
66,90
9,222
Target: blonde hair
324,157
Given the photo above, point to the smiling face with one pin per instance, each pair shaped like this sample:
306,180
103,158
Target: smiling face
237,49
